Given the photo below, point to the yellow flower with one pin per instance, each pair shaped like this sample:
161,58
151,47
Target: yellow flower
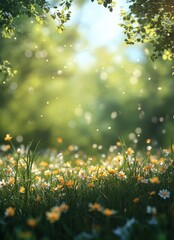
118,143
10,212
155,180
55,209
53,216
8,170
148,140
47,173
8,137
59,140
91,185
31,222
139,178
69,183
61,179
136,200
129,151
64,207
22,190
112,171
37,178
152,193
108,212
43,164
55,172
11,181
95,207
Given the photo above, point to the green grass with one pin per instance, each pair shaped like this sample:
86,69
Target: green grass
124,184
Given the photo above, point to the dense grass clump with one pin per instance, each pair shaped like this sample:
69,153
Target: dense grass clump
123,194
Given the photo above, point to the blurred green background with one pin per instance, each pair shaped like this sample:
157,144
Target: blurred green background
71,88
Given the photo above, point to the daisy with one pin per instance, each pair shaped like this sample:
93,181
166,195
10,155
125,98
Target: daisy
164,193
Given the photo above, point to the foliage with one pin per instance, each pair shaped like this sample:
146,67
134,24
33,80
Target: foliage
146,21
70,195
151,22
6,70
12,9
100,105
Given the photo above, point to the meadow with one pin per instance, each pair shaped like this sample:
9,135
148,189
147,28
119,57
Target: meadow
123,194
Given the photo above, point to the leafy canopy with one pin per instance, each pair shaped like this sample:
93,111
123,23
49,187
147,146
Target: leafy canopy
146,21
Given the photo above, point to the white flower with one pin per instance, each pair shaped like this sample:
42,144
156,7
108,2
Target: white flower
151,210
2,183
125,231
164,193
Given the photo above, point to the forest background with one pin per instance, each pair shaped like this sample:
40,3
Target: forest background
74,88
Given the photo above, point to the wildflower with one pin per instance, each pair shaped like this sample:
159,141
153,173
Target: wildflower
55,172
125,232
45,185
8,170
61,179
95,207
59,187
5,148
47,173
31,222
22,190
59,140
119,158
64,207
118,143
8,137
91,185
108,212
148,140
2,183
129,151
164,193
136,200
121,175
69,183
151,210
11,181
144,180
80,162
55,209
43,164
37,178
152,193
155,180
53,216
10,212
162,169
112,171
139,178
